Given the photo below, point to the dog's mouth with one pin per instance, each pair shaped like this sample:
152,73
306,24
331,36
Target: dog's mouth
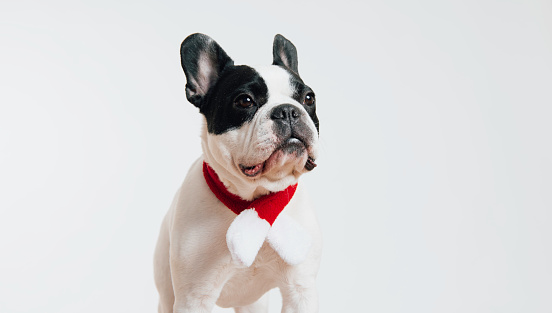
252,171
292,145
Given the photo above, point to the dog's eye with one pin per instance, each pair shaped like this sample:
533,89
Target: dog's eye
309,99
244,101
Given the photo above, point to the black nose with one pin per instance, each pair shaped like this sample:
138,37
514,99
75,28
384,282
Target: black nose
285,112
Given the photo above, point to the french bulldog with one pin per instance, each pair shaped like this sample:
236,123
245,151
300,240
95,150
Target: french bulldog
241,224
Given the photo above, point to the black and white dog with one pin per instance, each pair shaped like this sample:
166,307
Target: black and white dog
240,224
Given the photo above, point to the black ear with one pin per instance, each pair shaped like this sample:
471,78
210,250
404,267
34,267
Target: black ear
203,60
284,53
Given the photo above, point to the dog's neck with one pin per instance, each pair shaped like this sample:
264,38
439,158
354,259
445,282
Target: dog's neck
234,184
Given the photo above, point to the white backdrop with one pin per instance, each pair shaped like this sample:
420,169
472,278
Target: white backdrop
433,189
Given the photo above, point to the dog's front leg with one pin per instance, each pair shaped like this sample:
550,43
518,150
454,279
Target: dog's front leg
198,286
299,297
199,274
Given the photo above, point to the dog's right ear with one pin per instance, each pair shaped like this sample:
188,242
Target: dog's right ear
203,61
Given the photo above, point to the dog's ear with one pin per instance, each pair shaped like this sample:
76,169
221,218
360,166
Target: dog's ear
284,53
203,61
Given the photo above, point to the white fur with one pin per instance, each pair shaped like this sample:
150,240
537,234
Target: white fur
245,236
194,268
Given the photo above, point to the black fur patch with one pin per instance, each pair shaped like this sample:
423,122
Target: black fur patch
219,109
194,48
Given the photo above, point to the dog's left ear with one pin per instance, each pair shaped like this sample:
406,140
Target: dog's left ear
203,61
285,53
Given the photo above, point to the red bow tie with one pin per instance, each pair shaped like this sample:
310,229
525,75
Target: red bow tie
268,207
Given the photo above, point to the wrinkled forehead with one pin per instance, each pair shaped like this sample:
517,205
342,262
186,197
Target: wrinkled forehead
278,81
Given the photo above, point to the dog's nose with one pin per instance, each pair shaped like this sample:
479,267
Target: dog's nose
285,112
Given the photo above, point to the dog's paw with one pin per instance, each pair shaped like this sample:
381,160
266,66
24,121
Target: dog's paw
289,239
245,237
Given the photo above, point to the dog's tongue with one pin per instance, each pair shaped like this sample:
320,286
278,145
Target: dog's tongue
310,165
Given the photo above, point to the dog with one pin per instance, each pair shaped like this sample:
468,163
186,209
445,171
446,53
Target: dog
240,224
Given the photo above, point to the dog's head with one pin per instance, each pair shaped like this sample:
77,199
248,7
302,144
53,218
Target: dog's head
261,129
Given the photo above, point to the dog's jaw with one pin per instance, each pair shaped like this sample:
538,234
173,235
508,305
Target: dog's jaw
224,164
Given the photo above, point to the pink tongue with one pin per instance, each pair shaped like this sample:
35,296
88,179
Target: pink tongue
253,170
